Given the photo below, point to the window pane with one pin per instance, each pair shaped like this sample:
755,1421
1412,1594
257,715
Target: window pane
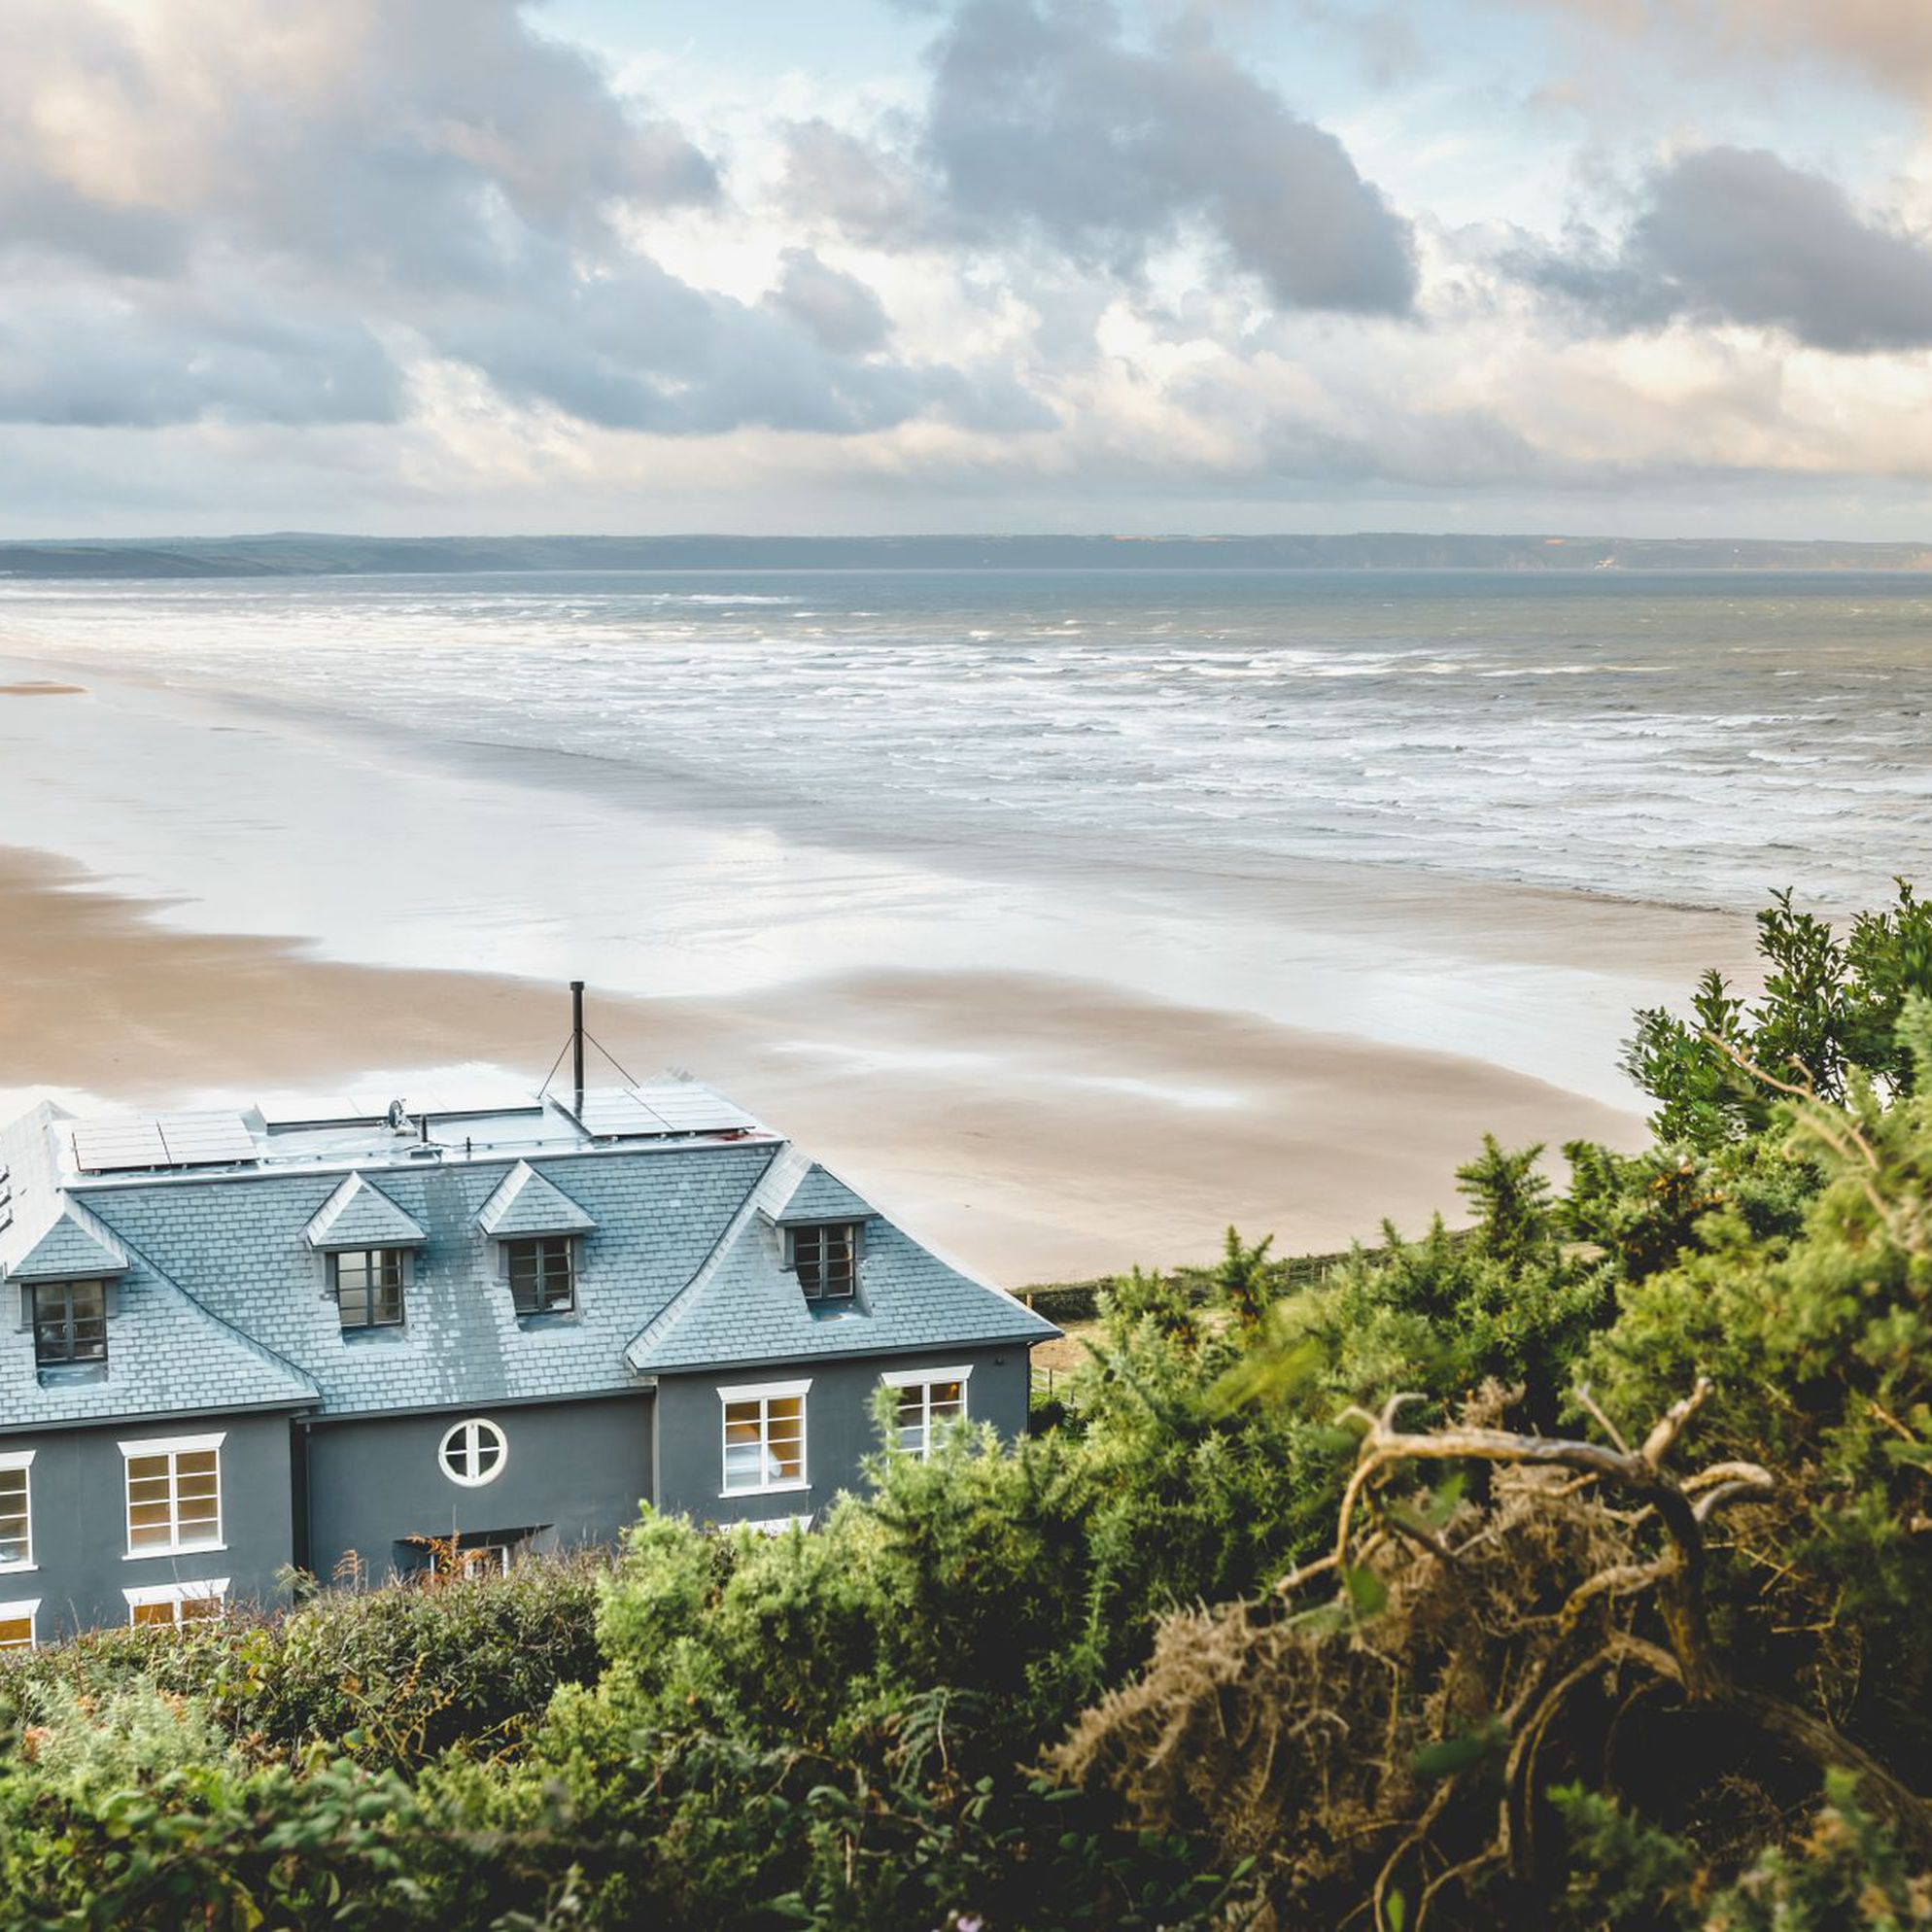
199,1606
824,1258
16,1633
153,1613
523,1276
13,1526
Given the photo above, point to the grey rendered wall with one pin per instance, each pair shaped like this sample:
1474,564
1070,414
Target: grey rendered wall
78,1495
582,1468
839,1430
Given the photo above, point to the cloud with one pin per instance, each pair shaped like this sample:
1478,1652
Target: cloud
1888,41
1730,235
276,211
873,195
838,310
68,357
422,142
1043,119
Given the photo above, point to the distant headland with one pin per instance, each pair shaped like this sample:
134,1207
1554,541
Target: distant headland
298,553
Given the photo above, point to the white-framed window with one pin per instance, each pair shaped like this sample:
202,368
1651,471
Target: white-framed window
176,1604
929,1400
174,1494
763,1436
473,1452
825,1258
17,1517
16,1624
472,1561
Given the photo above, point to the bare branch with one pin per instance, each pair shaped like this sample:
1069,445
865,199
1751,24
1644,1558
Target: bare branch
1587,1403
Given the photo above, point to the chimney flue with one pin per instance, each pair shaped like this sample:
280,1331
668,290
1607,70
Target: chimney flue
577,1042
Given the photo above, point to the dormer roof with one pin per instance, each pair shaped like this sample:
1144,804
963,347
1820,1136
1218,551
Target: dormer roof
360,1215
72,1246
526,1204
821,1196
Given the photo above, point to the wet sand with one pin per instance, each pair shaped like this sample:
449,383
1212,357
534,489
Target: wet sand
1034,1127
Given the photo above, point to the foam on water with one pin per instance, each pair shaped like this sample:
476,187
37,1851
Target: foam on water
1658,739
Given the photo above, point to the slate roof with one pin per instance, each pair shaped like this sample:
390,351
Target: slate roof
360,1215
70,1245
163,1344
525,1203
744,1306
224,1300
822,1196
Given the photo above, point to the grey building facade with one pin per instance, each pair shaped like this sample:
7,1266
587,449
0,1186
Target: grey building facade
357,1340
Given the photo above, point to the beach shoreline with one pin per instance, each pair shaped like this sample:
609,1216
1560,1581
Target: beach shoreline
1037,1128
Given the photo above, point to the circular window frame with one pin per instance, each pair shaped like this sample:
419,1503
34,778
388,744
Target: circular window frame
486,1430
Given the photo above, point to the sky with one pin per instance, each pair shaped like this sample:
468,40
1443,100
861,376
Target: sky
1644,267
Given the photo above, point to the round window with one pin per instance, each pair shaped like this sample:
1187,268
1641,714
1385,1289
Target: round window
473,1452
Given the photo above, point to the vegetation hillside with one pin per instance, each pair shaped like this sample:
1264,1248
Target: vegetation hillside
1569,1573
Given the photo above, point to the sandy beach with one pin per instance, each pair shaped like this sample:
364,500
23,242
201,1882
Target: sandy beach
1133,1133
1056,1053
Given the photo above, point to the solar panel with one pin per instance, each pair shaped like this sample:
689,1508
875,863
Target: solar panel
104,1147
617,1116
653,1112
205,1140
689,1109
321,1109
166,1140
480,1094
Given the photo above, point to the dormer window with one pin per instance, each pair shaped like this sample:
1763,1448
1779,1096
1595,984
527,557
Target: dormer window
368,1287
543,1274
70,1321
825,1257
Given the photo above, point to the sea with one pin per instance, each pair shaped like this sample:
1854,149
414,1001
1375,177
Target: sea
721,779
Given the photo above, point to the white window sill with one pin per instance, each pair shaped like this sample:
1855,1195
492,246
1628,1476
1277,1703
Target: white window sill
173,1550
764,1489
18,1569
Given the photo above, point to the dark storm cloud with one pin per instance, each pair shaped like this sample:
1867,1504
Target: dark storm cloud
1043,119
1737,235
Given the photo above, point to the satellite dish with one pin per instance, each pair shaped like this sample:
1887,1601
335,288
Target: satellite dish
398,1117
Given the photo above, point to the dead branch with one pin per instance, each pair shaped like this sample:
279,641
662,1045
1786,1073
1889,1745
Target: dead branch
1681,1507
1679,1586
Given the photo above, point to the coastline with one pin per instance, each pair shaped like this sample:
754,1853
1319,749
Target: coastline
1036,1127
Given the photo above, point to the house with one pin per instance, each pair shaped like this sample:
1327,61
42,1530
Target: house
357,1338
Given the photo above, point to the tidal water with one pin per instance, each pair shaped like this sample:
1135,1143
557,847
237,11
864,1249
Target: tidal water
1688,740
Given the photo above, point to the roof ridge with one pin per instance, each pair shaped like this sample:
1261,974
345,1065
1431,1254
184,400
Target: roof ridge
728,1236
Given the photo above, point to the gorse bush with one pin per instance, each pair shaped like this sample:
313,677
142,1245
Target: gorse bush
1566,1571
389,1677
